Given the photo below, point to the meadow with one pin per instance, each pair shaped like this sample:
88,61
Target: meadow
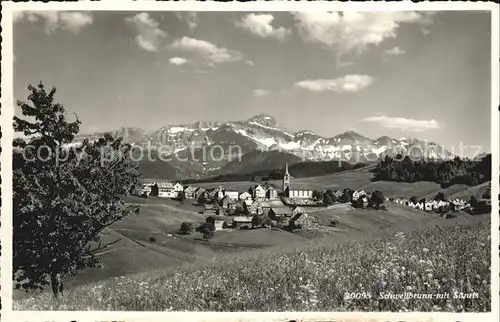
310,276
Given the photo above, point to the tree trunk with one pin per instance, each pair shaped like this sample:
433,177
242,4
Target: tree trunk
56,283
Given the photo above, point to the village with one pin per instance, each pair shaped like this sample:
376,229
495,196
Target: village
264,205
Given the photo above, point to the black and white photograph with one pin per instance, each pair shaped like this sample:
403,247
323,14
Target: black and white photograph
251,161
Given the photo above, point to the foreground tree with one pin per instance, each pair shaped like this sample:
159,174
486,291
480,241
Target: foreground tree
63,198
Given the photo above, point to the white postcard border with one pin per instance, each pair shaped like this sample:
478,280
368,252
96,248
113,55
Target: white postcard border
8,104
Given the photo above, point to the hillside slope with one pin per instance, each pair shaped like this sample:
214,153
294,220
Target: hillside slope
258,161
313,276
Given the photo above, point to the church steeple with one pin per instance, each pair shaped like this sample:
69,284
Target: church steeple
286,181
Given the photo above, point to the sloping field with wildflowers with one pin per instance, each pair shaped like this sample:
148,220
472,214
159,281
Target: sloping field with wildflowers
316,276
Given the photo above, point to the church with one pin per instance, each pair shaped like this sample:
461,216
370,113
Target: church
294,193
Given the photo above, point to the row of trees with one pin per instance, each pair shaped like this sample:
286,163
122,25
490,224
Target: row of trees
445,173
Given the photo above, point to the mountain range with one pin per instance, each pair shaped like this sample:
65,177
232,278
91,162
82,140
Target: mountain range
206,148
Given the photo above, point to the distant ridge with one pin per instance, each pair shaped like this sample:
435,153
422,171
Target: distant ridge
260,133
263,132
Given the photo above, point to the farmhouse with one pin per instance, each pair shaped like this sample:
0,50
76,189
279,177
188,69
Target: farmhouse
278,212
255,208
271,193
245,196
338,193
265,206
240,221
198,192
257,192
145,190
358,194
215,194
231,194
304,221
178,187
220,222
226,202
189,192
166,190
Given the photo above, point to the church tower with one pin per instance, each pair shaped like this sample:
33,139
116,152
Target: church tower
286,181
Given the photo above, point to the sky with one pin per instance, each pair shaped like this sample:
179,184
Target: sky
400,74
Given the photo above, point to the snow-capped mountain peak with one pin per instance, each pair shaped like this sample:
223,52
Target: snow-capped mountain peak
263,119
263,132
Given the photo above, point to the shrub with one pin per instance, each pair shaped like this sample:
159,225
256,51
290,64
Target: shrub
154,190
317,195
358,203
257,221
346,197
439,196
210,220
208,230
186,228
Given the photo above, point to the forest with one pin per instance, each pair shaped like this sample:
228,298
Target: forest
445,173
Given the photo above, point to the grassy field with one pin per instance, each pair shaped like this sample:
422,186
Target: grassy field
149,245
161,218
314,276
476,191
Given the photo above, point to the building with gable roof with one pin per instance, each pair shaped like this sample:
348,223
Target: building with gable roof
257,192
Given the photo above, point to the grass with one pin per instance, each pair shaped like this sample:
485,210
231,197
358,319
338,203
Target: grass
312,277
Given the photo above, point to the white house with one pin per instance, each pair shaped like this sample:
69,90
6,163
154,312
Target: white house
231,194
216,194
189,192
166,190
258,192
271,193
245,196
146,189
178,187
